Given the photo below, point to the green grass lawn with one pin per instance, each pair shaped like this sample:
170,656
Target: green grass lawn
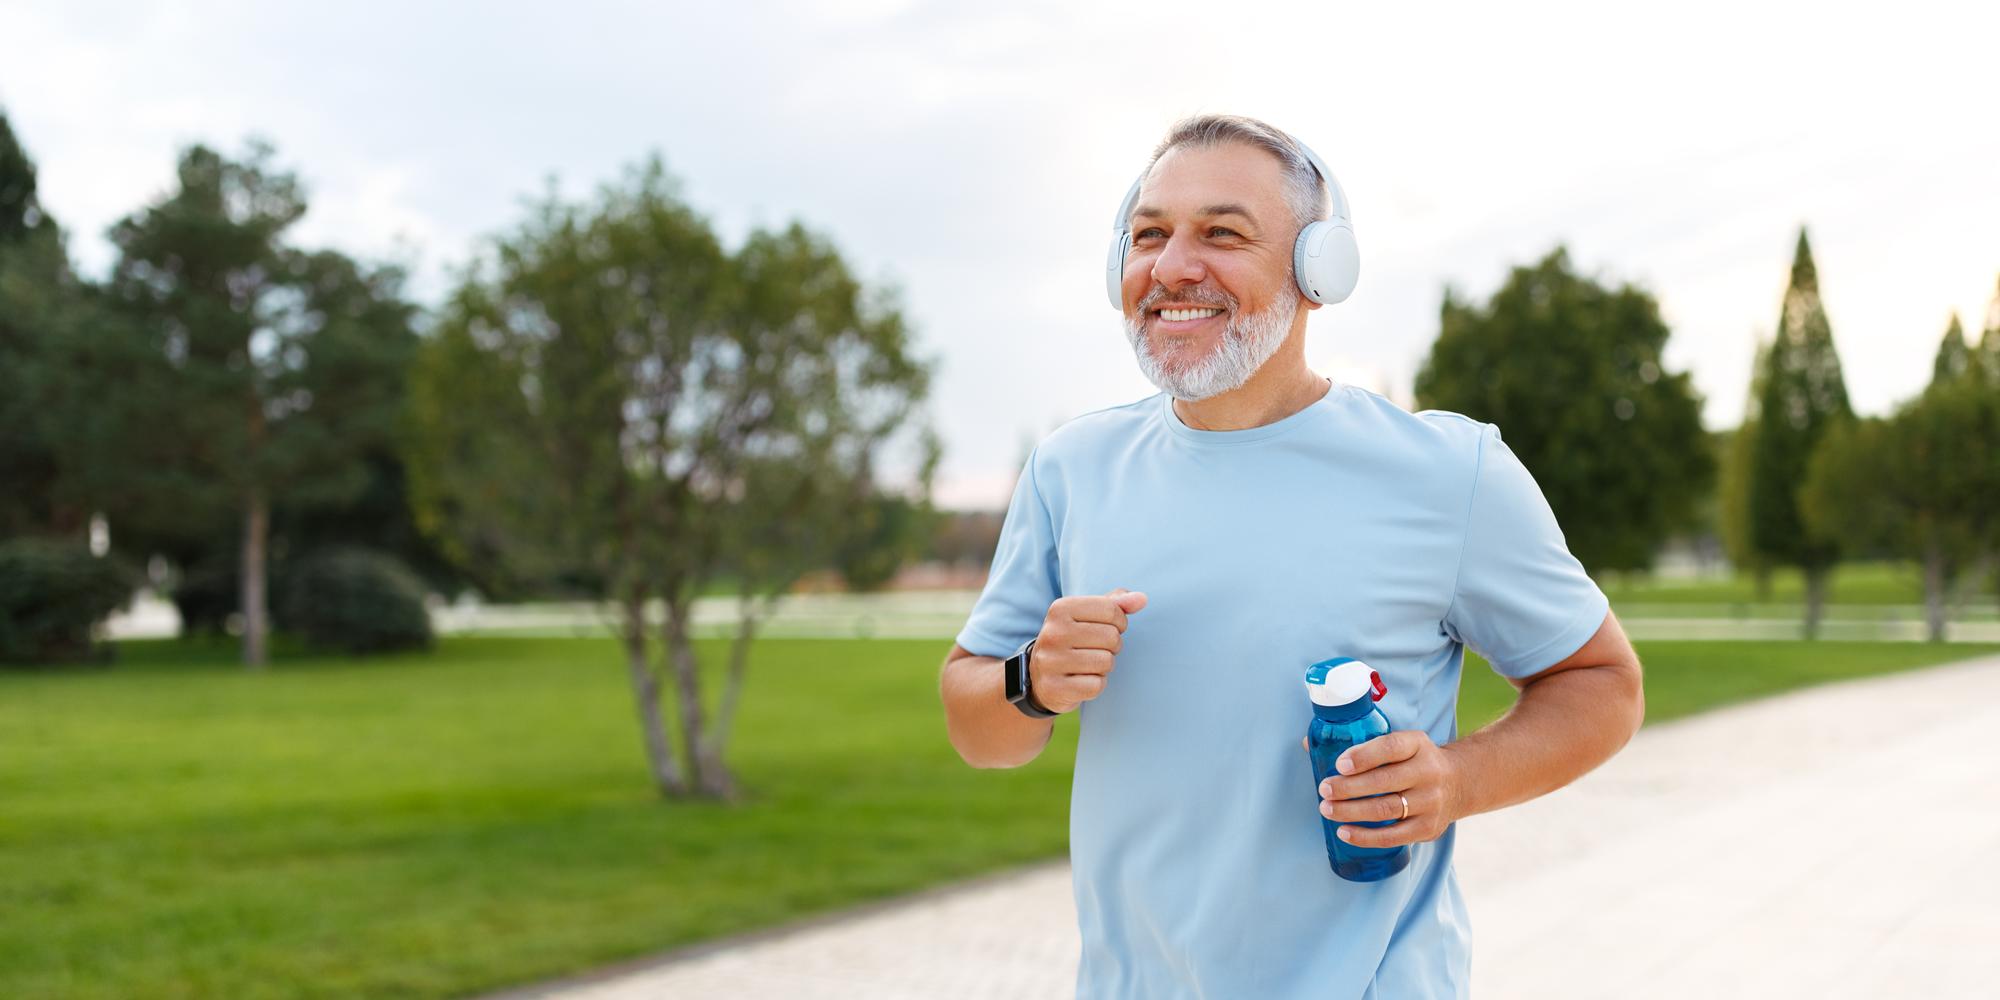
441,825
1853,583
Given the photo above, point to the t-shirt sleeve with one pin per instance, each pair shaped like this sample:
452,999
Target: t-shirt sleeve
1022,582
1521,599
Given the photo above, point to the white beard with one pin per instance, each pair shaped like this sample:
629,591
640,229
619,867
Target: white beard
1247,342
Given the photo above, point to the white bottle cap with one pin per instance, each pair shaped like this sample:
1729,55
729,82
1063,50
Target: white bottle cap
1344,683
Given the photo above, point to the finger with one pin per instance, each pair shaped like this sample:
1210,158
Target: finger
1398,777
1096,609
1414,830
1378,808
1063,662
1388,749
1078,688
1131,601
1303,745
1093,635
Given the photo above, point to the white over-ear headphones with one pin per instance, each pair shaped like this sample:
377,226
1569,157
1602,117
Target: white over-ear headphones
1325,260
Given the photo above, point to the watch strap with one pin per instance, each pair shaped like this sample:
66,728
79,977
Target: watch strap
1029,705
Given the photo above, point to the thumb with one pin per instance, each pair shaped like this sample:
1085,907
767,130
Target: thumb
1128,600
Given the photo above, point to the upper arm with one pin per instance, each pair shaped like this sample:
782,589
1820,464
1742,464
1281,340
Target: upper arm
1607,648
1520,598
1023,579
957,653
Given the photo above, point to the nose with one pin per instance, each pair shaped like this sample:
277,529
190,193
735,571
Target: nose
1179,263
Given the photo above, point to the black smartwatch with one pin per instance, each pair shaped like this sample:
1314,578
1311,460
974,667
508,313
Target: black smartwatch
1018,691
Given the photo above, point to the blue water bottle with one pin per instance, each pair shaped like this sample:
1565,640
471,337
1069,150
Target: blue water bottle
1344,691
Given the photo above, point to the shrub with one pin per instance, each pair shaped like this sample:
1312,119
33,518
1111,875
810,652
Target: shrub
51,593
206,595
353,600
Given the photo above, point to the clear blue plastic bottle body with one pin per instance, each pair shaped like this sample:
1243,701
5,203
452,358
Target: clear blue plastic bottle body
1333,729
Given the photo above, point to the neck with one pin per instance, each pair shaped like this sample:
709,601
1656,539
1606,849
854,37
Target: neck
1282,387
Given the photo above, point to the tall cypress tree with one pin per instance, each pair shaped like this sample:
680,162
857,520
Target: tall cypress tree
1986,355
1804,395
1953,356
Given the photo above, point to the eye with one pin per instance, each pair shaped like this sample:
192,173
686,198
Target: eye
1147,233
1221,231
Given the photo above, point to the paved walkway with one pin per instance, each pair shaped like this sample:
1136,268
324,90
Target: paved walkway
1779,849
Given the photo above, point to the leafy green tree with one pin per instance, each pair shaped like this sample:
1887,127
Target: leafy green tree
889,530
611,397
255,373
20,206
1804,395
1738,461
40,303
1921,483
1570,370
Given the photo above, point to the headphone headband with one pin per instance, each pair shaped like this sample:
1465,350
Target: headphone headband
1123,222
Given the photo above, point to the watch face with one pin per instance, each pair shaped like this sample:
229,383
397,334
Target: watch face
1017,678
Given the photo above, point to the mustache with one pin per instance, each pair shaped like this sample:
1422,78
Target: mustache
1199,295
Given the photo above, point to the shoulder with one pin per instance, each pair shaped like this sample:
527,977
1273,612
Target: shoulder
1088,436
1457,431
1435,436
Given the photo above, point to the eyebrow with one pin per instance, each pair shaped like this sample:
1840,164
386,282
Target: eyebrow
1227,208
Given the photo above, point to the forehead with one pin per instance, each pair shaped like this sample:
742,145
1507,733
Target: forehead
1187,178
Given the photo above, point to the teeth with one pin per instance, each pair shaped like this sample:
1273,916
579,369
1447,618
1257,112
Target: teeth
1183,315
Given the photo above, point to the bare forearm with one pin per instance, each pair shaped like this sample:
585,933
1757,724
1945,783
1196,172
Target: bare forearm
984,728
1560,728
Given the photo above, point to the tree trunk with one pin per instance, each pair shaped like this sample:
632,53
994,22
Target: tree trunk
1816,581
1935,579
646,696
711,778
256,532
747,616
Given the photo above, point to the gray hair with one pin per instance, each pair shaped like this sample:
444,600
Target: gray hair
1305,190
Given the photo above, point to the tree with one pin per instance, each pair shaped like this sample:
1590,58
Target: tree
1737,464
253,372
1570,371
40,303
1953,356
1804,395
21,212
888,531
1985,364
1986,356
611,397
1922,483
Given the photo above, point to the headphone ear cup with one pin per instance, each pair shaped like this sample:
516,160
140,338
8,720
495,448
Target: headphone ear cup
1326,262
1114,270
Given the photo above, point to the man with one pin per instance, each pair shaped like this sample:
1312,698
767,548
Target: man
1214,540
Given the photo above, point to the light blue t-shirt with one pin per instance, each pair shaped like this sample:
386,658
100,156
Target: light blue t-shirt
1350,528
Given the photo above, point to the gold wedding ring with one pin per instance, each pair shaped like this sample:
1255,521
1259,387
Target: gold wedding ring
1406,807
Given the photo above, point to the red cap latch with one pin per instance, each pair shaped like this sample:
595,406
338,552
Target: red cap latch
1375,680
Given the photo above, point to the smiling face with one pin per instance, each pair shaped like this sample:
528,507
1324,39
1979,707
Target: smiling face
1208,290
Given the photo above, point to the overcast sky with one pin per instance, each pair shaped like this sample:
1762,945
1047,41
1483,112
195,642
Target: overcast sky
973,154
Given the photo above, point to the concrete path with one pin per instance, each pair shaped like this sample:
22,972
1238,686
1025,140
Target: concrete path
1785,848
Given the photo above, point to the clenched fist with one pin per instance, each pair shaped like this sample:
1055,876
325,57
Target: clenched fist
1078,647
